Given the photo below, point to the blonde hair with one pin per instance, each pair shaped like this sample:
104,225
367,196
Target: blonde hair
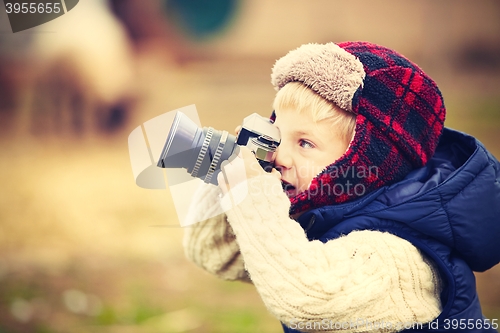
295,95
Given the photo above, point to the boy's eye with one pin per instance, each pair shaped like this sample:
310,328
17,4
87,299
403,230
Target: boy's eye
305,144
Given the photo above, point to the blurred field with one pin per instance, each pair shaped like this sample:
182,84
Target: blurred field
83,249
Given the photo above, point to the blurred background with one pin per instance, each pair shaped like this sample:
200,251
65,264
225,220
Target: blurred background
82,248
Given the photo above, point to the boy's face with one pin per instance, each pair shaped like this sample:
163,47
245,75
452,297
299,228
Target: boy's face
306,148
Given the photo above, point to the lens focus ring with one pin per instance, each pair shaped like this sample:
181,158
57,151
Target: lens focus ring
217,155
203,152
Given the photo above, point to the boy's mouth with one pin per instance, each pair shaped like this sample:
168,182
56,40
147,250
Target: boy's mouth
288,188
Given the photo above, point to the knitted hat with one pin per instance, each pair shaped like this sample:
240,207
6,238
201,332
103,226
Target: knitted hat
399,115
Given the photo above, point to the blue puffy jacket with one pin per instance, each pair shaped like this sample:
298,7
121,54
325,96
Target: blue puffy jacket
449,209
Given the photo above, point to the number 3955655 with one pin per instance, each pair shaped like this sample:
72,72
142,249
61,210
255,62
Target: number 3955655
33,8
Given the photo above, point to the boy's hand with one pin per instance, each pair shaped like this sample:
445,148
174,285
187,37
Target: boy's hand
237,130
240,169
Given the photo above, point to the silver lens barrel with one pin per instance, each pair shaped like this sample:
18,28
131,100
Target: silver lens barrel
216,159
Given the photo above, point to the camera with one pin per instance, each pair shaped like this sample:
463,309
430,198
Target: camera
202,150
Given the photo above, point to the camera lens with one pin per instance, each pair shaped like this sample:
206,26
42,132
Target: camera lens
198,150
217,146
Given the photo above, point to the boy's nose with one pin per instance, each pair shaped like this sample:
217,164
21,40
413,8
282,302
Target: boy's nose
283,158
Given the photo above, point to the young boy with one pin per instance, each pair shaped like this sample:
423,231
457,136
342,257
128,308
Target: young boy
375,216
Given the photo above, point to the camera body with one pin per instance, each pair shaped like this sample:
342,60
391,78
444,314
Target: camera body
261,137
201,151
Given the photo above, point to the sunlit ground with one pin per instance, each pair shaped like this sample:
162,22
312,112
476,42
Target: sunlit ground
83,249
